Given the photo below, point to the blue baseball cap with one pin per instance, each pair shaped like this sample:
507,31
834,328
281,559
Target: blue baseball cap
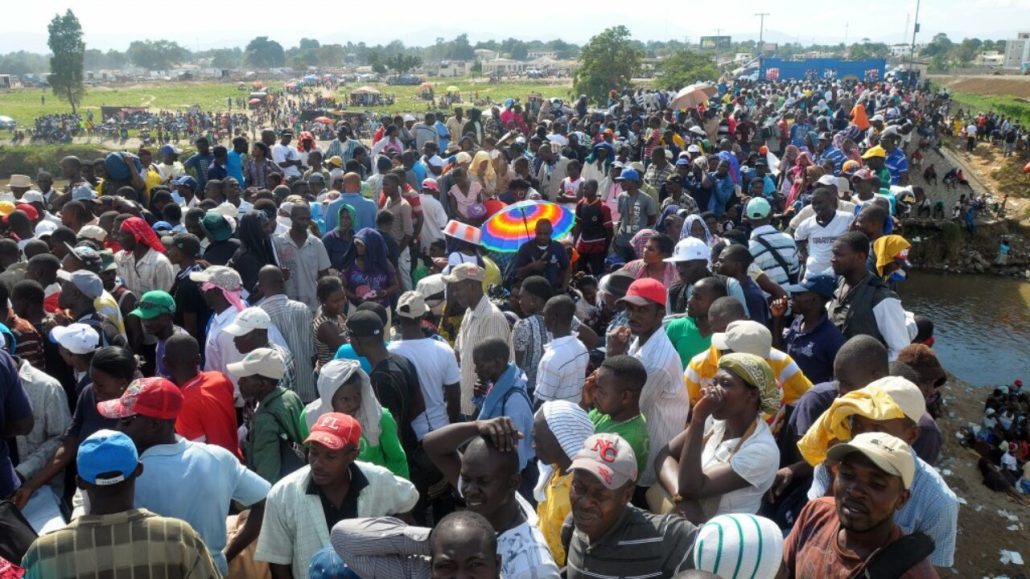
109,453
187,181
327,564
628,175
822,284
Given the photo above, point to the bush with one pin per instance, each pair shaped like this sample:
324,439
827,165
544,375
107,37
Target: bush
28,160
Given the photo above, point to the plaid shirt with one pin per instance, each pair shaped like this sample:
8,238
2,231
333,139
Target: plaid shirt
131,544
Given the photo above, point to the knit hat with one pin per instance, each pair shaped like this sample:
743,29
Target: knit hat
569,423
739,545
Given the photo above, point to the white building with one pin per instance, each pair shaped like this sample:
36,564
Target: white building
1017,51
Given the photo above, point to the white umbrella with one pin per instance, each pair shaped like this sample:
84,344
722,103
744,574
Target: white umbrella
693,95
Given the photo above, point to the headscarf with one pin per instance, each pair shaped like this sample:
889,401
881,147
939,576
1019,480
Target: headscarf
489,177
688,224
305,136
139,229
755,372
887,249
330,378
376,260
350,211
670,209
640,240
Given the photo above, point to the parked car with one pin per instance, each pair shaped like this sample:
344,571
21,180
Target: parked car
8,123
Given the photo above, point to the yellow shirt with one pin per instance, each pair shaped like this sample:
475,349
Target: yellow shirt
553,511
792,381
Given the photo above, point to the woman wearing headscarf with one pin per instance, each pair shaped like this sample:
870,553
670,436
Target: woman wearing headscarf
142,264
339,241
344,387
560,428
482,172
694,226
725,465
255,250
305,144
891,258
598,162
367,272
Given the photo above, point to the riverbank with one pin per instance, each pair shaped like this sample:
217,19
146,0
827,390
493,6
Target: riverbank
987,521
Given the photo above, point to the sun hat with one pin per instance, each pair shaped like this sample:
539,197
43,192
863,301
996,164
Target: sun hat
689,249
644,292
149,397
608,457
19,182
465,271
745,336
889,453
108,453
264,362
463,232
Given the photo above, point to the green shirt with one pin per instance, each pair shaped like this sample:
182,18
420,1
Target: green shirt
389,454
633,430
686,338
277,414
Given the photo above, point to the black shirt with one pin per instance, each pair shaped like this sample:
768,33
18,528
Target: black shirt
395,383
220,252
348,509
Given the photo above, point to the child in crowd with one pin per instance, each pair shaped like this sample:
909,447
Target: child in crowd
564,363
614,393
529,334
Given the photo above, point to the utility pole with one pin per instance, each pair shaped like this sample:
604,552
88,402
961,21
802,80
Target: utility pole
761,30
915,30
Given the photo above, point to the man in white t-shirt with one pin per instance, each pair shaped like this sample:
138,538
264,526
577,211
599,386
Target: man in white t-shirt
286,156
815,235
435,363
433,214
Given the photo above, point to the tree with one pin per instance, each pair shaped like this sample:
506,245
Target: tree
685,67
402,63
226,57
264,53
940,45
69,52
156,55
308,44
607,62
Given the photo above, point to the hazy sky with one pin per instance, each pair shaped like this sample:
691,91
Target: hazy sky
206,24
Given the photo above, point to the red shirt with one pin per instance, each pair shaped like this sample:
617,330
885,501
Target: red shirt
811,551
208,413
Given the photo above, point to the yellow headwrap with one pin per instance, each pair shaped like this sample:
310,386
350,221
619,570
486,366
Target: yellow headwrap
835,424
887,248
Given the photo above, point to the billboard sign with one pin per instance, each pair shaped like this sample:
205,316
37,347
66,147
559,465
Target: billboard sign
715,42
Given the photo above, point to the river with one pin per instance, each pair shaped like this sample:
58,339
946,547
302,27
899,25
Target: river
982,324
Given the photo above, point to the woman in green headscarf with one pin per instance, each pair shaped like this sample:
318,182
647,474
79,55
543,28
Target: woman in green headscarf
338,241
728,462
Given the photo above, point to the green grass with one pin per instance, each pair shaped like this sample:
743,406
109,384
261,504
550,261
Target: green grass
24,104
1009,106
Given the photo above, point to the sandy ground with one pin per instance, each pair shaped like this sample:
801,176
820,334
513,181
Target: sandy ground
983,528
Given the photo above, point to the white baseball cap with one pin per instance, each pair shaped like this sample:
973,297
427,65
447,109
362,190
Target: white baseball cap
259,362
76,338
247,321
32,196
904,393
689,249
890,454
745,336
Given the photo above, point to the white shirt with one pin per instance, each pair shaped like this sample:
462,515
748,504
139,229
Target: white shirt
756,462
562,370
436,367
664,401
220,350
820,239
434,219
524,553
282,153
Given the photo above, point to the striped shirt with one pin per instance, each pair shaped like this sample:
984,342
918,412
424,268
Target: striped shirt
664,401
562,370
134,544
293,319
639,545
783,245
483,322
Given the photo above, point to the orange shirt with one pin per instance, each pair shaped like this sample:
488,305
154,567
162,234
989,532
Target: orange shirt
208,413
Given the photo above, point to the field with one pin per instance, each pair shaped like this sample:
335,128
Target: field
1007,95
24,105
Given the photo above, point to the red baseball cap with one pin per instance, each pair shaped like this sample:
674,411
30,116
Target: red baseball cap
645,291
335,430
151,397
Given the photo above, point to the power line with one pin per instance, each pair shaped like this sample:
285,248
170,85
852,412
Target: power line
761,30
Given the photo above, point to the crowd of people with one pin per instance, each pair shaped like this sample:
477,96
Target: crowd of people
282,357
1002,439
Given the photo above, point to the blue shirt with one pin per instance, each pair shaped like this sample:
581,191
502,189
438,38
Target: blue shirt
420,170
346,352
834,154
14,406
896,163
515,405
234,167
197,165
798,132
364,209
168,487
722,193
814,351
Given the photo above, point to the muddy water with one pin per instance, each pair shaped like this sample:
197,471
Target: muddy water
982,324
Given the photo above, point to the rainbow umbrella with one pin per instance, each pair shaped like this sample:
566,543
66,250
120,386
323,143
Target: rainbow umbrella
514,225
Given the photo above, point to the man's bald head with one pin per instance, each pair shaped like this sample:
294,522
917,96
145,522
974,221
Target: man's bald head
351,182
182,346
861,360
271,280
723,311
481,450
